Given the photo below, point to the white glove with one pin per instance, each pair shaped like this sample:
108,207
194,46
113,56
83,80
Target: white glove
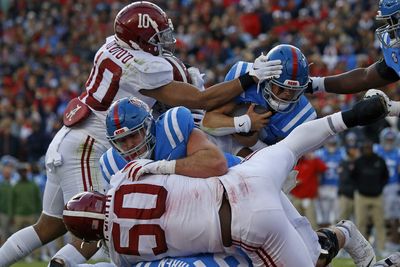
196,77
137,168
263,69
290,182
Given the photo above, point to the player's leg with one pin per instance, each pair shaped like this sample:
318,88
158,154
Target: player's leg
82,174
345,235
311,135
302,226
283,245
260,225
391,261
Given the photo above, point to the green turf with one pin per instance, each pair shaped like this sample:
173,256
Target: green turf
336,263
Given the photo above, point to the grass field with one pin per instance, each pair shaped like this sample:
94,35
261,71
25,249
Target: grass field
336,263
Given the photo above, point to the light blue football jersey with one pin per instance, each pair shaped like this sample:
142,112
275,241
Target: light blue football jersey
391,56
392,159
172,131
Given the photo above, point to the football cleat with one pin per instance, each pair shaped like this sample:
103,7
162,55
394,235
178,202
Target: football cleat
357,246
388,102
391,261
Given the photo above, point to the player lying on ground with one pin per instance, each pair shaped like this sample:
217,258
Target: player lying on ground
172,215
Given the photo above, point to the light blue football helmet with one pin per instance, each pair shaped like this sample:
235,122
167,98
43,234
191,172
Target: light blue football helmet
388,139
292,82
389,33
126,118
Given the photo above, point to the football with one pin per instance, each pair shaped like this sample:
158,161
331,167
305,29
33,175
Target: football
242,108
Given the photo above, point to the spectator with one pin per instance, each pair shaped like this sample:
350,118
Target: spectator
346,183
387,150
7,169
26,199
332,153
305,193
370,175
37,143
9,144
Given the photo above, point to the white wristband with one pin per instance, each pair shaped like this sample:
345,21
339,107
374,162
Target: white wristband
318,84
166,167
242,123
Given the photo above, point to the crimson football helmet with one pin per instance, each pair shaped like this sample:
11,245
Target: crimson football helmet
144,25
84,215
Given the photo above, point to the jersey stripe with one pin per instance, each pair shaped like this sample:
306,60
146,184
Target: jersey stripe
104,168
175,124
312,116
167,130
83,172
238,69
89,175
296,118
108,161
178,67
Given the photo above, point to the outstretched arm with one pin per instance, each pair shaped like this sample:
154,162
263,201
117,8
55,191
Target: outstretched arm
183,94
311,135
357,80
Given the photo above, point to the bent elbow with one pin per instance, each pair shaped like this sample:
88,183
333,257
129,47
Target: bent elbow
219,166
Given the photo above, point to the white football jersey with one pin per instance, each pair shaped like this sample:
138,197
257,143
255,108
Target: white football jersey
160,216
121,72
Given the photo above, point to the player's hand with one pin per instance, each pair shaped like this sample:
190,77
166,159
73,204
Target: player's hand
258,121
264,69
139,167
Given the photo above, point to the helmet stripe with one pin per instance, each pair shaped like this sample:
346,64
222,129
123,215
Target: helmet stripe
84,214
295,63
116,117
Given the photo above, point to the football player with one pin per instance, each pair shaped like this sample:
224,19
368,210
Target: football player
332,154
282,96
172,215
387,149
128,64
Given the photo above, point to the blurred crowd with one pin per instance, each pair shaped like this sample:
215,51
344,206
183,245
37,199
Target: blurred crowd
47,48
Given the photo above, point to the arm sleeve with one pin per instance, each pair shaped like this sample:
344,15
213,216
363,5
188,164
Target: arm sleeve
174,128
150,74
240,68
385,71
110,163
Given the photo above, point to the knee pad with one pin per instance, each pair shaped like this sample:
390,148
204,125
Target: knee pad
329,244
366,111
